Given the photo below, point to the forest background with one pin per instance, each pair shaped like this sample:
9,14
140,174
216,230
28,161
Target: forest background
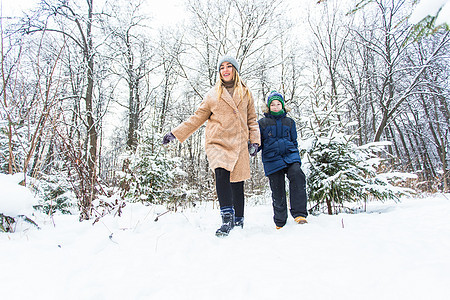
90,87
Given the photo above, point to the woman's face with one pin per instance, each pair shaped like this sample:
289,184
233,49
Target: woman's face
276,106
226,71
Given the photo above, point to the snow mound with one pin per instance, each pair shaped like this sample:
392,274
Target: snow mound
15,200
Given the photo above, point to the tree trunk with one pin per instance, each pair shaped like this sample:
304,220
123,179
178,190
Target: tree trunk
405,147
86,202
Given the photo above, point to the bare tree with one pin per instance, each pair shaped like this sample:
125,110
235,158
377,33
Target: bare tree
8,70
76,24
31,98
132,53
331,34
171,48
393,74
430,104
389,45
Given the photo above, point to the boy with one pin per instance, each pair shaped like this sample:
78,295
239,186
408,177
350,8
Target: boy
281,157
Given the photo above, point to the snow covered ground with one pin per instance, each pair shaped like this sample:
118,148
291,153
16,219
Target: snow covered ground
393,251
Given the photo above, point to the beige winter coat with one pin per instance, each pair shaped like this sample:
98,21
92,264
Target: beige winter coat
231,124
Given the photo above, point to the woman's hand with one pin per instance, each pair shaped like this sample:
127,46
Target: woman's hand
168,138
253,149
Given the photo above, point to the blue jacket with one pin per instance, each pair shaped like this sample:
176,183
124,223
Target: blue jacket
278,142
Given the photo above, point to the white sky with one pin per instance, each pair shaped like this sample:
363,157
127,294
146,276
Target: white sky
431,7
11,8
162,12
171,11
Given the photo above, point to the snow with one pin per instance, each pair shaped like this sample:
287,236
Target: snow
15,199
391,251
430,8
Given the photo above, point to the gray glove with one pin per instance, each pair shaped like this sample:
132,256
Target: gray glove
168,138
253,149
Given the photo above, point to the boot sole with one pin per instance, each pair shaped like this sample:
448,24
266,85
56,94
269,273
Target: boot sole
221,234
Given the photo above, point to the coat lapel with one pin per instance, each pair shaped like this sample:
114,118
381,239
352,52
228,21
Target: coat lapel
230,101
236,99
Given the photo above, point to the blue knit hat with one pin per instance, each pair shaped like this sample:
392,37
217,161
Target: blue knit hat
229,59
274,95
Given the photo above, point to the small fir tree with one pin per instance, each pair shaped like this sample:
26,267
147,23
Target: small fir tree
148,176
54,193
338,171
341,172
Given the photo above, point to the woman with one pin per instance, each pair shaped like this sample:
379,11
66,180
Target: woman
231,134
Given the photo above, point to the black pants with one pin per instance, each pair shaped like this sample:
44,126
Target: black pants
297,193
229,193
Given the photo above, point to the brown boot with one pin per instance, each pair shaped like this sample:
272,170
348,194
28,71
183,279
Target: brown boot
301,220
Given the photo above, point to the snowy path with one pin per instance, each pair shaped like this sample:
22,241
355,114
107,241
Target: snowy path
395,251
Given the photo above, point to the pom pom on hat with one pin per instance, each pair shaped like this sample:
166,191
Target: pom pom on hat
229,59
274,95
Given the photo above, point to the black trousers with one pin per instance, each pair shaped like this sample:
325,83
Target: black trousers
229,193
297,193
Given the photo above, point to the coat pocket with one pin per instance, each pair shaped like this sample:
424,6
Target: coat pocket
271,155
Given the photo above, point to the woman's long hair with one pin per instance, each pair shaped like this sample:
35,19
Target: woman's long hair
239,86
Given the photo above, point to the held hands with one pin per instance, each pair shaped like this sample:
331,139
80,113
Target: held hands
168,138
253,149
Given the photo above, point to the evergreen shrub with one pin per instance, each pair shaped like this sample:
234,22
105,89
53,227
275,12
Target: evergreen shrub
339,172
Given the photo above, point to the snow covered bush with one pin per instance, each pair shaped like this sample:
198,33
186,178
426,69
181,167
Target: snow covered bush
340,172
149,176
337,170
108,205
16,204
55,195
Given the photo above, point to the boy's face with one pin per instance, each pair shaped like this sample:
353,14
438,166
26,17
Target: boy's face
275,106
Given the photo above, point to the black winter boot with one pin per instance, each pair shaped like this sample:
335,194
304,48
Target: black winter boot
239,222
227,214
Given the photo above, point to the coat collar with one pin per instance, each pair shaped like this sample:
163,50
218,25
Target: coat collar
232,101
269,115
